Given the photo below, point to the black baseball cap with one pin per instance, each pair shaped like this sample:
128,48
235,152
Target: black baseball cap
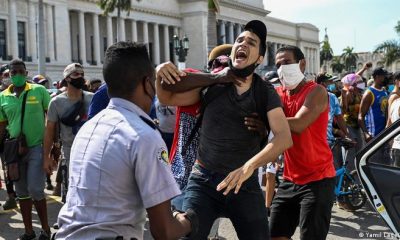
325,77
379,71
3,68
258,28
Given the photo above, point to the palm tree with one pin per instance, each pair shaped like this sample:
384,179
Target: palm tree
391,48
108,6
337,65
349,58
326,53
213,9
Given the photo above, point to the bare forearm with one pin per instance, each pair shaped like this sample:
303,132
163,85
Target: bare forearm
297,125
48,141
272,150
342,124
190,82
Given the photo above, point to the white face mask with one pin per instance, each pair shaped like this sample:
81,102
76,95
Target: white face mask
361,86
290,75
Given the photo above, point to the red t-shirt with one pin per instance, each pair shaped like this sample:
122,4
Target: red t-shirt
310,158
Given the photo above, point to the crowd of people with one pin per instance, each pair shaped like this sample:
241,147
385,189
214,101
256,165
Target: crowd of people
185,147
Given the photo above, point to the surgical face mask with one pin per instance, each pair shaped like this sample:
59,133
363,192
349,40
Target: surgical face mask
361,86
244,72
390,87
331,87
18,80
290,75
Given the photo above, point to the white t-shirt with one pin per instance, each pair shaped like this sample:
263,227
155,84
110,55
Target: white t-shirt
394,116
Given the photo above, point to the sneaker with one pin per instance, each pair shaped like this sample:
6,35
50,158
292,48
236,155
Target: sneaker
44,235
55,226
10,204
49,186
26,236
57,190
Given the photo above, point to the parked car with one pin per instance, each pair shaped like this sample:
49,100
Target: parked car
380,177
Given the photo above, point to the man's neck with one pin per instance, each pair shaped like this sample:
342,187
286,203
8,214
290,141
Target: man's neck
17,90
244,86
74,93
377,86
298,88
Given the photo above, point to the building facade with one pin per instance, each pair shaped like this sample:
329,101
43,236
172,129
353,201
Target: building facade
77,31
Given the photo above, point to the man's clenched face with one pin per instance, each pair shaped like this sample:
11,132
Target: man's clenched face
246,50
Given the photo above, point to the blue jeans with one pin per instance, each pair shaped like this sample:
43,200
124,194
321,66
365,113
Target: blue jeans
32,175
246,209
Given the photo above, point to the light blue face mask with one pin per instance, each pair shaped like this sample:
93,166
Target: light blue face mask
390,87
331,87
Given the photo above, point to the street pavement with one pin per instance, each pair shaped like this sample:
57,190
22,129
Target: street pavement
362,224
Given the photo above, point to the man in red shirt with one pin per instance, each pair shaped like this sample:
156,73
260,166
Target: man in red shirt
305,197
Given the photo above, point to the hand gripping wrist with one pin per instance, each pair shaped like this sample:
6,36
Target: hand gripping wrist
191,217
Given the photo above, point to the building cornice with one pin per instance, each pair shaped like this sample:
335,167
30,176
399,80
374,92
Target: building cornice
244,7
157,12
145,10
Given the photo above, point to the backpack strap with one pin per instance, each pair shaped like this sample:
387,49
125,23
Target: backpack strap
261,98
23,110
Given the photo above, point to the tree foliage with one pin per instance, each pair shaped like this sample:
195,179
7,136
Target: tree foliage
337,65
349,58
326,53
108,6
391,48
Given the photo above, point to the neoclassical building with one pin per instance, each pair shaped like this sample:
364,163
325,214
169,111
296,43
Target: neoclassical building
76,31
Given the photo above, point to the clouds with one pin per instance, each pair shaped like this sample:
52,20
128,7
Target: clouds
357,23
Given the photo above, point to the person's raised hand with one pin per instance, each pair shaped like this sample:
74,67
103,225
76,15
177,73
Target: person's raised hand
169,73
227,76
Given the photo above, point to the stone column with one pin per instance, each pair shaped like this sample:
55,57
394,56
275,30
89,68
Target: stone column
238,30
110,40
50,34
121,33
13,29
134,31
62,28
231,35
222,31
32,32
156,45
96,39
166,43
146,34
82,37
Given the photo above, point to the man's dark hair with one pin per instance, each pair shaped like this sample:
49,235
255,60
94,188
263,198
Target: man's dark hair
263,46
298,54
126,64
16,62
396,75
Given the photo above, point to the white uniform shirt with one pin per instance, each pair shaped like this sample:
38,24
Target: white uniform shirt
118,168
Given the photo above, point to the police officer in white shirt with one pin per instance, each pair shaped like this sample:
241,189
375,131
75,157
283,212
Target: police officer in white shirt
119,162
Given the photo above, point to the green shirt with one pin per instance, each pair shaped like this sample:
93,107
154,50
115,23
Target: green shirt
37,102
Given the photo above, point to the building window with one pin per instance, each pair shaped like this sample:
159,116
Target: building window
3,41
21,41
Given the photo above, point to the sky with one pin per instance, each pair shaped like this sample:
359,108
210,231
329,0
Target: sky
361,24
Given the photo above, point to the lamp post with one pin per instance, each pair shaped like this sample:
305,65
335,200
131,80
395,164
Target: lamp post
181,47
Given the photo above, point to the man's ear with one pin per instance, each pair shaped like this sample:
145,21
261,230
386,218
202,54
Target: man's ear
260,59
302,65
